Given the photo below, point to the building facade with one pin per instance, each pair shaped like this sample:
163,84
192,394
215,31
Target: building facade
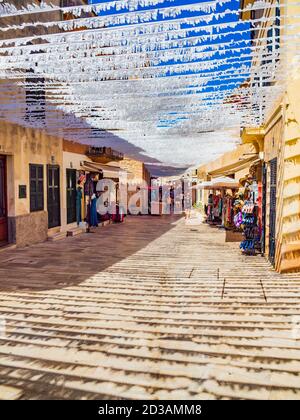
29,159
278,141
38,181
275,143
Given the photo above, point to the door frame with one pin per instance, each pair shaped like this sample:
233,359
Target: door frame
59,200
5,218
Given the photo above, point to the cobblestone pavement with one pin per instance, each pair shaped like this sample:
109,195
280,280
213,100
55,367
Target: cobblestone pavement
152,309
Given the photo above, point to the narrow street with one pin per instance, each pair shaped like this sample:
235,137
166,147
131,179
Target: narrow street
150,309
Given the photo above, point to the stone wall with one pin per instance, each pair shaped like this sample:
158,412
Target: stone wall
137,170
28,229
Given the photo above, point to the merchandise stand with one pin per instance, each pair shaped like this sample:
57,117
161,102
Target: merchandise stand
251,243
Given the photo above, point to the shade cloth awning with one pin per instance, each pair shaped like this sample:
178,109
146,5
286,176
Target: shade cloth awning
218,183
202,186
238,165
225,182
108,171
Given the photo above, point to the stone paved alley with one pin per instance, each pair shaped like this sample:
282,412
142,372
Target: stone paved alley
152,308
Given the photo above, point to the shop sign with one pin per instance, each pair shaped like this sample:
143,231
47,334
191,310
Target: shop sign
22,191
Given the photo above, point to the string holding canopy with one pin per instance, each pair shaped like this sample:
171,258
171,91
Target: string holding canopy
150,68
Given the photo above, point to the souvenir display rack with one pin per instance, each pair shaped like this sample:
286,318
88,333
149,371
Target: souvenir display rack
252,243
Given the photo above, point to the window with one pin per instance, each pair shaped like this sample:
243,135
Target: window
36,175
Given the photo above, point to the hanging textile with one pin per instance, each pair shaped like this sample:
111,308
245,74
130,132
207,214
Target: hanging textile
79,196
93,212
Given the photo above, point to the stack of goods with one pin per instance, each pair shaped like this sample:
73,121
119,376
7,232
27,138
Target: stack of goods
248,220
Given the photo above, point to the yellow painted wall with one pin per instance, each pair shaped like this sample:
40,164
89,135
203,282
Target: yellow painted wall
282,140
22,147
289,194
288,222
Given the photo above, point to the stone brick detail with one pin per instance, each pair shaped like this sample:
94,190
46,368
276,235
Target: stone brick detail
28,229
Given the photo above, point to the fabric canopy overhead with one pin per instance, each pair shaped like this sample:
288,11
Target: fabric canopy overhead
218,183
160,75
225,182
203,186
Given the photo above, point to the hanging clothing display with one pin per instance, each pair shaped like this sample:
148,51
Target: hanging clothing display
214,209
228,211
89,188
248,216
251,244
79,196
238,211
210,207
93,211
220,210
92,192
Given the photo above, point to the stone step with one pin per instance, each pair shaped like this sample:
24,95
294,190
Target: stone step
7,247
225,325
57,236
75,231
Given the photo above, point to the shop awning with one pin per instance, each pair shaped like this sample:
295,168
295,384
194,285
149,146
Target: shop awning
218,183
108,171
239,165
203,186
225,182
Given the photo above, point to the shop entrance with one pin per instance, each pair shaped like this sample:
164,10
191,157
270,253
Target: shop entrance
3,202
264,206
71,195
53,196
273,192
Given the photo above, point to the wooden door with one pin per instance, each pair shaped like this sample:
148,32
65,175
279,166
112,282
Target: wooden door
53,196
71,196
